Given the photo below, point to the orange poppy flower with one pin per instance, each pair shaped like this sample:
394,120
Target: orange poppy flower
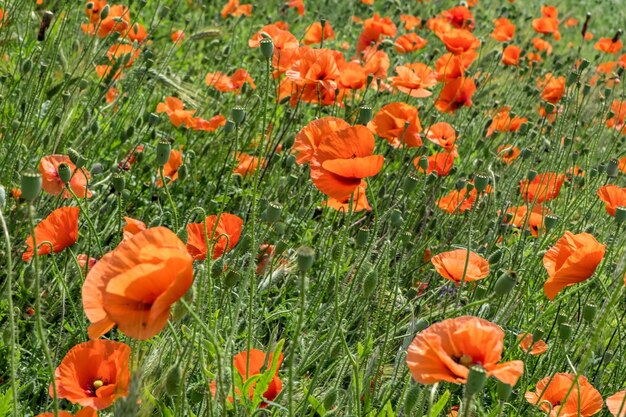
571,260
449,67
565,395
233,8
298,5
313,33
616,404
398,123
376,62
460,17
52,184
527,345
93,374
170,169
608,46
175,110
508,153
459,41
439,25
85,261
618,108
224,235
571,22
280,36
511,55
311,135
410,42
442,134
544,187
521,217
446,350
93,13
177,36
503,122
457,201
208,125
440,162
316,67
552,88
135,285
343,159
122,54
247,164
547,25
84,412
542,45
504,30
117,21
452,265
137,33
410,22
224,83
352,76
373,29
104,71
132,227
60,229
358,197
613,197
455,94
414,79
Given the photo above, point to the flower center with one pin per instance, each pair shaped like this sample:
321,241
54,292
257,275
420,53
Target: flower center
97,383
466,360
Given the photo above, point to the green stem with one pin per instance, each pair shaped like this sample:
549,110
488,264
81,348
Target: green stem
294,346
169,198
92,228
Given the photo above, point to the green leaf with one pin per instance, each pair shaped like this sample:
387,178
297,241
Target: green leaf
439,405
6,403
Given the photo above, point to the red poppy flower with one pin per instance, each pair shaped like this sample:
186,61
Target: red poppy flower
613,196
175,110
358,199
84,412
52,184
224,235
446,350
170,169
608,45
461,265
616,404
565,395
511,55
343,159
59,230
504,30
311,135
572,259
526,343
544,187
459,41
552,87
313,33
132,227
414,79
455,94
93,374
135,285
442,134
410,42
233,8
247,164
503,122
398,123
508,153
440,162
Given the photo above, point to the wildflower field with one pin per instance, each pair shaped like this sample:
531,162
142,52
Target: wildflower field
312,208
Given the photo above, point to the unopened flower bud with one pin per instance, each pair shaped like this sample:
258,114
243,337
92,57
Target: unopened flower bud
65,173
104,13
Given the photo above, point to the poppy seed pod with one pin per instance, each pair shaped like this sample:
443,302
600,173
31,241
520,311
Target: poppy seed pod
432,177
365,115
503,390
153,119
65,173
495,257
612,168
586,90
119,183
537,335
30,185
273,212
267,47
589,312
620,214
550,221
409,183
173,380
163,152
481,182
362,236
423,163
469,187
396,218
238,114
231,279
476,380
565,331
505,283
306,258
229,126
27,65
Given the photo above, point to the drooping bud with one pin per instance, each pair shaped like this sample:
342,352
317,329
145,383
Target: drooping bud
505,283
362,236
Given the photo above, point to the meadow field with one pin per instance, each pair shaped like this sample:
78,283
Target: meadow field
312,208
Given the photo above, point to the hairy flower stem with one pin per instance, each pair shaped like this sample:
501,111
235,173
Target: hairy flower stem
92,228
12,329
38,320
169,198
294,347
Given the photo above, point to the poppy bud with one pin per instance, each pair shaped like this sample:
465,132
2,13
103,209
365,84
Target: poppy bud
104,13
572,77
238,114
475,380
565,331
337,251
583,32
290,160
362,236
229,126
273,212
232,279
589,312
469,187
267,47
620,214
30,184
95,127
432,177
423,163
27,65
370,283
531,175
584,64
420,324
459,184
119,182
495,257
163,12
537,335
611,168
163,152
396,218
503,390
173,380
153,119
617,36
365,115
586,89
550,221
525,153
410,401
330,399
65,173
306,258
481,182
505,283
